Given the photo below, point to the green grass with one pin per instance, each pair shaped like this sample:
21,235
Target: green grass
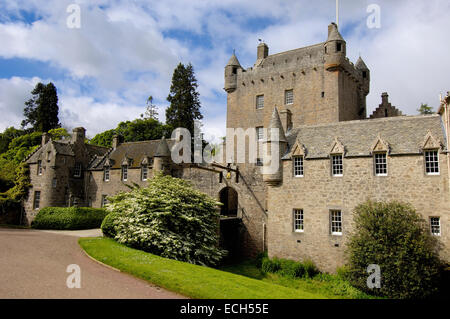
329,286
187,279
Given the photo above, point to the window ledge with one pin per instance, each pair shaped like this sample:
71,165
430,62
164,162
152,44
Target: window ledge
336,234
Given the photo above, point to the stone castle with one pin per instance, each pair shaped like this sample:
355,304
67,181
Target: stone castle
333,157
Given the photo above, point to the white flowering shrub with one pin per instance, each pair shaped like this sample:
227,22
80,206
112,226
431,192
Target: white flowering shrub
168,218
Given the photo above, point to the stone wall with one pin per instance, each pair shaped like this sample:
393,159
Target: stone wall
318,192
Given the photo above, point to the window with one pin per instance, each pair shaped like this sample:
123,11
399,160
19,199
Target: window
338,47
124,172
144,172
435,224
432,162
380,160
259,101
259,162
39,168
336,222
337,166
106,174
104,200
90,202
260,133
49,154
323,94
364,74
288,97
77,170
37,199
298,220
298,166
54,182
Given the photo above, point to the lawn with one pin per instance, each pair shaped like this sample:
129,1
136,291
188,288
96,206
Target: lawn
187,279
329,286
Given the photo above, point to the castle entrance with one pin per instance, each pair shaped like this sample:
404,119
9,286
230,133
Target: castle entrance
229,199
230,224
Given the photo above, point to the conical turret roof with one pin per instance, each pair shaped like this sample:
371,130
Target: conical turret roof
234,61
361,65
163,149
275,122
334,34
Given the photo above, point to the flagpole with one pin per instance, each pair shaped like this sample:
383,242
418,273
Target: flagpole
337,12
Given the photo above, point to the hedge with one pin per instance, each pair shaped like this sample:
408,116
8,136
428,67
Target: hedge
69,218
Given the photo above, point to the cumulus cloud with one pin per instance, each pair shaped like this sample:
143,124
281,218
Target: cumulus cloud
13,94
126,50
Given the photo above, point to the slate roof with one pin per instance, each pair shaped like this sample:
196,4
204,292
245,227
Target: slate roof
405,135
136,151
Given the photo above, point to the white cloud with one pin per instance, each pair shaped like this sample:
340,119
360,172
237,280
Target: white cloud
14,92
127,50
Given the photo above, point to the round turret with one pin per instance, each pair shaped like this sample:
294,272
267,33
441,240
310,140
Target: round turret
276,144
231,70
161,158
335,48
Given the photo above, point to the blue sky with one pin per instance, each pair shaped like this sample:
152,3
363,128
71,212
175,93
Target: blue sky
126,50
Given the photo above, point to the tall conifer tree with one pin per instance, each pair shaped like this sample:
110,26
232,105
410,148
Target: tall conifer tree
41,111
184,99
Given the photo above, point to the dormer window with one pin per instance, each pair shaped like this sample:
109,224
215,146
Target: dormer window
124,172
106,174
337,167
39,167
380,162
431,162
77,170
144,172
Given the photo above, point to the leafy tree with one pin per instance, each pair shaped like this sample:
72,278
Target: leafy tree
395,237
168,218
7,136
133,131
103,139
41,111
184,99
425,109
151,112
19,148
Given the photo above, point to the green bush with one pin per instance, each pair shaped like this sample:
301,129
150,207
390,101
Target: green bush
108,227
169,218
289,268
69,218
270,265
393,236
310,268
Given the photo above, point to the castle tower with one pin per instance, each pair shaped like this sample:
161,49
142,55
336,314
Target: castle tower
161,161
273,169
231,70
335,48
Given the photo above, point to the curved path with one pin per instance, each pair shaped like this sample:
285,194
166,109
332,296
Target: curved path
33,264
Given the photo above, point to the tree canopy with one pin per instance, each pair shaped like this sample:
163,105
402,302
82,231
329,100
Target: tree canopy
184,99
41,110
133,131
425,109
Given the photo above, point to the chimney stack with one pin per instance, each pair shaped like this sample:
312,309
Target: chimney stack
45,138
